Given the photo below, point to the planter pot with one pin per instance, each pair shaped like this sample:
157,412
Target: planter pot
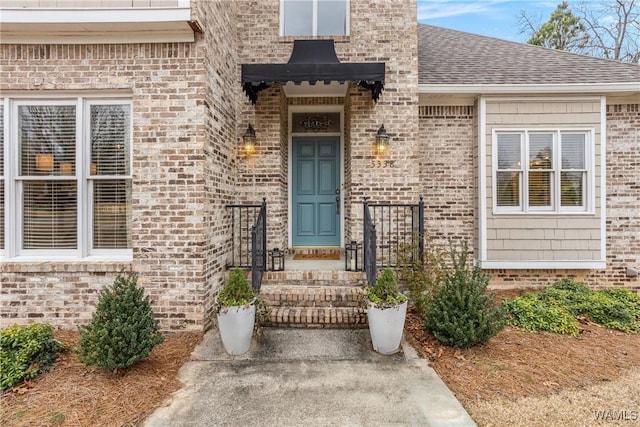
236,328
386,326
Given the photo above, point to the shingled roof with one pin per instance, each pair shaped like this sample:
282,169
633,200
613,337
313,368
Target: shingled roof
449,57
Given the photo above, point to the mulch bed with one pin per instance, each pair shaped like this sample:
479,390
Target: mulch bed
518,363
72,394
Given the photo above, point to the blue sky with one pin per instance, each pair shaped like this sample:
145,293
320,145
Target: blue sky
494,18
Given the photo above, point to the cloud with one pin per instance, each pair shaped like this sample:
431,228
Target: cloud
433,9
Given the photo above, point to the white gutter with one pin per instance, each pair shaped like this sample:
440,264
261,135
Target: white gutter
529,88
61,15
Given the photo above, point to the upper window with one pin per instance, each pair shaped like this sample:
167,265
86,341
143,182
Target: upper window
69,178
542,171
314,17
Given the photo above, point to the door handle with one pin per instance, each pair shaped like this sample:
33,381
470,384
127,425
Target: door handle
338,205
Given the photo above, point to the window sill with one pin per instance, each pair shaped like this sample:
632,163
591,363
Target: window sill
92,264
542,265
543,213
291,39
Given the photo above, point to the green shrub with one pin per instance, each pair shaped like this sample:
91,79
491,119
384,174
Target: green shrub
422,278
385,293
556,308
25,352
122,330
236,291
462,314
536,314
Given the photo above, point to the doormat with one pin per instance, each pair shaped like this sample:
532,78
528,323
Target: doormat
316,256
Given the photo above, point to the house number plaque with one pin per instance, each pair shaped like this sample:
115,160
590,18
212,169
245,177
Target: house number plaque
383,164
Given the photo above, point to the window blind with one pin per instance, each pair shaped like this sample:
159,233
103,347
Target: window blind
110,148
540,169
1,175
573,174
508,176
47,144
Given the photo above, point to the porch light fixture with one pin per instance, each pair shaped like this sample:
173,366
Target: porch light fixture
249,140
382,140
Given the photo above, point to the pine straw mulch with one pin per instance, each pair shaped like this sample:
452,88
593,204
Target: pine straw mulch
518,363
71,394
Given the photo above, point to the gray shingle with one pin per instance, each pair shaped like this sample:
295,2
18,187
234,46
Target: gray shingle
452,57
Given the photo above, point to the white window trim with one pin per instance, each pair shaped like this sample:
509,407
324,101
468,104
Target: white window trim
314,23
555,209
13,189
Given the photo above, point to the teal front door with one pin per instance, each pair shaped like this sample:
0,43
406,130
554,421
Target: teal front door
316,191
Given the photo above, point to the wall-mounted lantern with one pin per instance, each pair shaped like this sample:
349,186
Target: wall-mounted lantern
249,140
382,140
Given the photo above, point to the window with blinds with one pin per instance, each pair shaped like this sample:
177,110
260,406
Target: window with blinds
540,169
1,174
553,174
71,189
109,170
509,174
47,147
573,172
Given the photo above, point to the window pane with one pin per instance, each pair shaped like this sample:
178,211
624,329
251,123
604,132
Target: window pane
573,148
539,188
332,18
50,214
110,126
47,139
540,151
508,188
572,188
298,18
509,151
112,214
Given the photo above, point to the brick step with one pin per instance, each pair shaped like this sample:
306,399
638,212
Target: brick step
314,278
293,295
317,317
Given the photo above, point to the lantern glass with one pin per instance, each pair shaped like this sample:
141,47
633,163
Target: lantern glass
353,256
382,140
249,140
277,259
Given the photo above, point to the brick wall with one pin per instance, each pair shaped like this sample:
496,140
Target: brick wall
219,142
374,37
167,84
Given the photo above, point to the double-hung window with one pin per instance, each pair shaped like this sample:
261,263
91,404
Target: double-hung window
542,171
67,178
314,17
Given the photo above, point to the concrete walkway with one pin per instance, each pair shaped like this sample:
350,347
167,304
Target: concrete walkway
322,377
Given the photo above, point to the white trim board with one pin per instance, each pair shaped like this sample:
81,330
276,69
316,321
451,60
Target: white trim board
543,265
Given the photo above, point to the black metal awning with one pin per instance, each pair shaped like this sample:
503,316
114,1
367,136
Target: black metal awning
313,61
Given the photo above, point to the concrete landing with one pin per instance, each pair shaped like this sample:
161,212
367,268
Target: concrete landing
293,377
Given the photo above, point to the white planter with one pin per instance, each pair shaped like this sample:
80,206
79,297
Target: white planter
386,326
236,328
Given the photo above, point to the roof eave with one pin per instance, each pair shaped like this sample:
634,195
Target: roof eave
529,88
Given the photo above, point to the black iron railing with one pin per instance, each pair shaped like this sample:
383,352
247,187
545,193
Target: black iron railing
369,244
259,247
398,230
243,218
